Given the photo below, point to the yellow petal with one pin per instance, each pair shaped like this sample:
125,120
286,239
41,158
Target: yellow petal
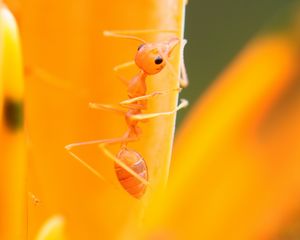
12,153
53,229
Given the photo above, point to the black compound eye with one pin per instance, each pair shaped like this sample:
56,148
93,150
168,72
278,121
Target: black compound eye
158,60
140,46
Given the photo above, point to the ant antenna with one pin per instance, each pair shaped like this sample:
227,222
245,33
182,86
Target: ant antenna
128,34
119,35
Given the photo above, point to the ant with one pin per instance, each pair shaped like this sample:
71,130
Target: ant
151,58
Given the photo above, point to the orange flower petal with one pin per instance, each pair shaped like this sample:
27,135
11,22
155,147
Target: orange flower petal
230,180
71,64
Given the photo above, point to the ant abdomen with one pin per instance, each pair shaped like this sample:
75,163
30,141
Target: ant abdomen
137,163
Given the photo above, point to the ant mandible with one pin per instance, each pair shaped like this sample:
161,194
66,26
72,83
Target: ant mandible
151,58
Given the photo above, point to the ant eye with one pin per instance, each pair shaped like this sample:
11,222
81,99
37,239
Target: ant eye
140,46
158,60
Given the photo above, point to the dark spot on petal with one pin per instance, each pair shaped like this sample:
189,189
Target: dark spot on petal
13,114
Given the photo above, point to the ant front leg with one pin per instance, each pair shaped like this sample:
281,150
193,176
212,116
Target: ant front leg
123,65
120,67
107,107
129,103
184,103
148,96
184,80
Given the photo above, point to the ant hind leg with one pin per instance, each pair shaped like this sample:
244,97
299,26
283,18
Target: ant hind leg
123,139
69,148
86,165
123,165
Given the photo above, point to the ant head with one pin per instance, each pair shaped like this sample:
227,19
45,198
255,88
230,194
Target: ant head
152,57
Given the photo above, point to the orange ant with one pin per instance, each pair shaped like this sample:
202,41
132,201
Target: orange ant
130,166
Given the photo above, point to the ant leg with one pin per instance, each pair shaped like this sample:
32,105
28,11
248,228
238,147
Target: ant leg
119,67
86,165
50,79
45,76
156,93
184,80
123,65
183,104
123,139
108,107
123,165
